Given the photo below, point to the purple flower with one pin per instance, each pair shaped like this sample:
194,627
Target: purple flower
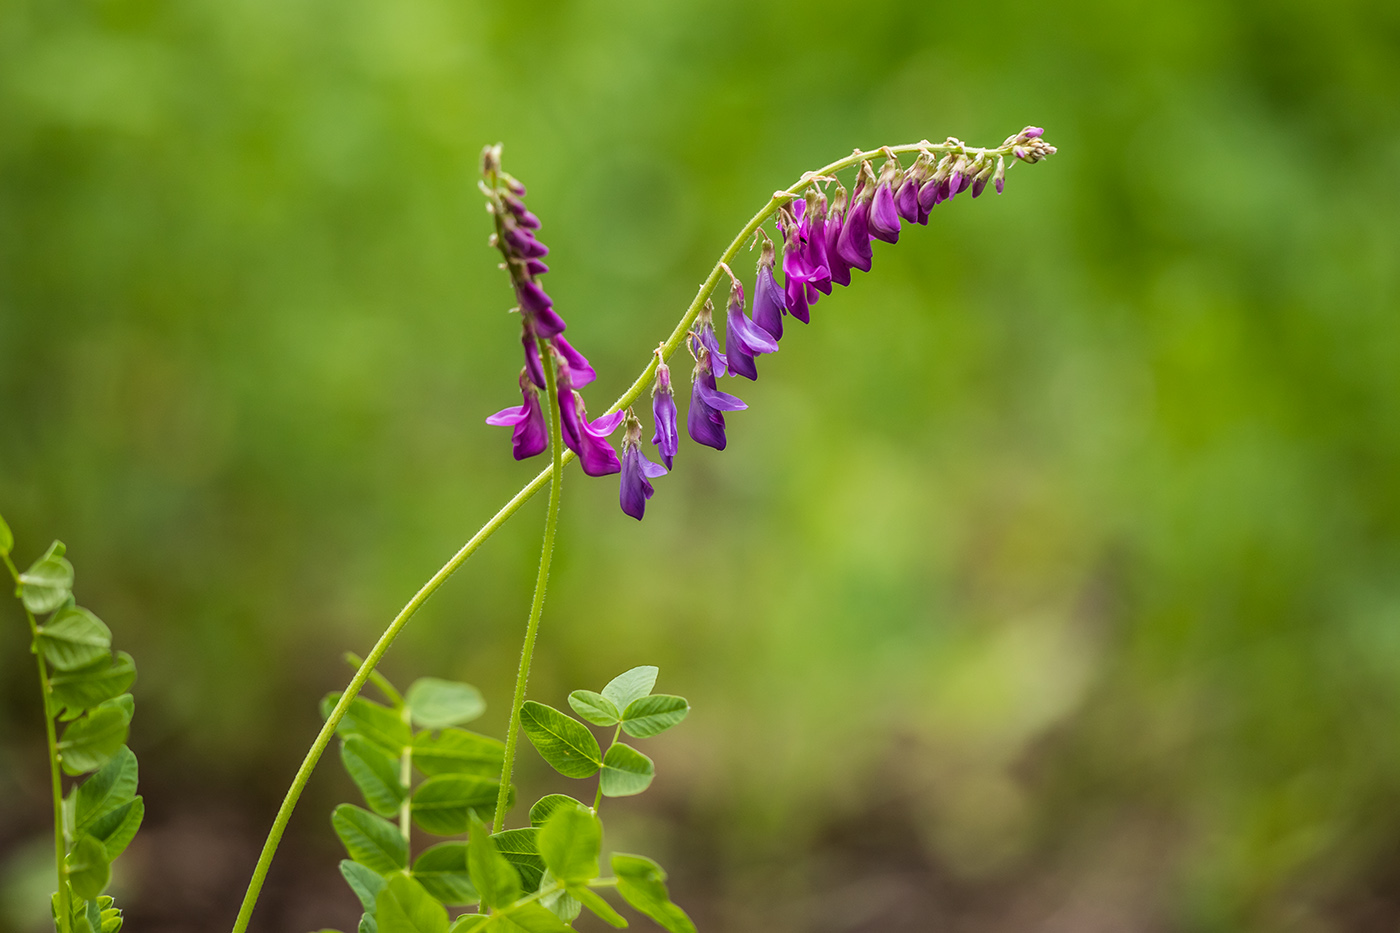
769,303
884,216
581,373
705,419
663,410
530,436
588,439
835,222
999,176
536,267
521,213
743,339
704,336
853,245
812,227
533,366
538,307
958,179
637,471
523,243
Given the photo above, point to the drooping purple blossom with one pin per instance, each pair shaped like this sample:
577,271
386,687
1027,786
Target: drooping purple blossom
812,224
884,216
743,339
797,273
705,419
839,268
704,336
581,372
588,439
769,303
635,486
663,411
530,436
853,245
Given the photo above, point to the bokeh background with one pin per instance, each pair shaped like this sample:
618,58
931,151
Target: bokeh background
1051,581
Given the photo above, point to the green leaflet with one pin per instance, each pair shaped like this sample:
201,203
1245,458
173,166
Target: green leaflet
371,840
631,685
457,751
626,771
48,582
111,787
466,923
569,843
377,723
117,828
560,903
600,908
534,918
642,883
437,704
594,707
90,742
374,773
495,879
651,715
443,805
363,880
442,870
72,692
87,868
546,805
74,638
405,907
563,742
521,848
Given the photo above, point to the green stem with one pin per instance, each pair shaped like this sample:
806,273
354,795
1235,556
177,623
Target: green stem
406,779
60,847
318,746
598,797
527,650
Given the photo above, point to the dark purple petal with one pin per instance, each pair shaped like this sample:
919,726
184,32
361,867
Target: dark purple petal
956,182
1001,183
522,214
815,256
714,398
840,268
906,201
581,373
525,244
933,193
667,438
704,424
530,436
769,305
853,245
533,366
884,217
634,489
739,329
598,457
536,267
978,184
532,297
595,454
796,293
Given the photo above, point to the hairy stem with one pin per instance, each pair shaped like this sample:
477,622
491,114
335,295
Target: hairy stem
673,343
60,848
532,628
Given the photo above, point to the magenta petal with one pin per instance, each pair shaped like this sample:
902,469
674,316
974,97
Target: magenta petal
840,268
605,425
769,305
854,243
719,401
884,217
666,438
633,488
509,416
906,202
581,373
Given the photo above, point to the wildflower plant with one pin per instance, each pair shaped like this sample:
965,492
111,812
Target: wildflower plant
408,754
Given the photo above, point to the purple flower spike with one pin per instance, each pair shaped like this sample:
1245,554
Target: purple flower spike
769,303
853,245
835,222
581,373
663,410
530,436
743,339
705,419
637,471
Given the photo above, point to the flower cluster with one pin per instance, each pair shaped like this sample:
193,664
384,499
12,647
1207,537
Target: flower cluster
824,239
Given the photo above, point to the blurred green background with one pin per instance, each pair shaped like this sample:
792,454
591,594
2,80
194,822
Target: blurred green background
1050,583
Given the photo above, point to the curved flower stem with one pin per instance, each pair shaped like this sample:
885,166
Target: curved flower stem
532,628
65,905
673,343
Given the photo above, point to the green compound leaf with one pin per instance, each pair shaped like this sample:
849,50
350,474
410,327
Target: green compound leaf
442,870
109,917
594,707
73,692
74,638
371,840
364,881
534,918
626,771
374,773
642,883
48,582
367,923
630,686
495,879
405,907
87,868
600,908
90,742
467,922
7,538
546,806
564,742
109,789
443,805
437,704
569,844
521,848
116,829
652,715
377,723
457,751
